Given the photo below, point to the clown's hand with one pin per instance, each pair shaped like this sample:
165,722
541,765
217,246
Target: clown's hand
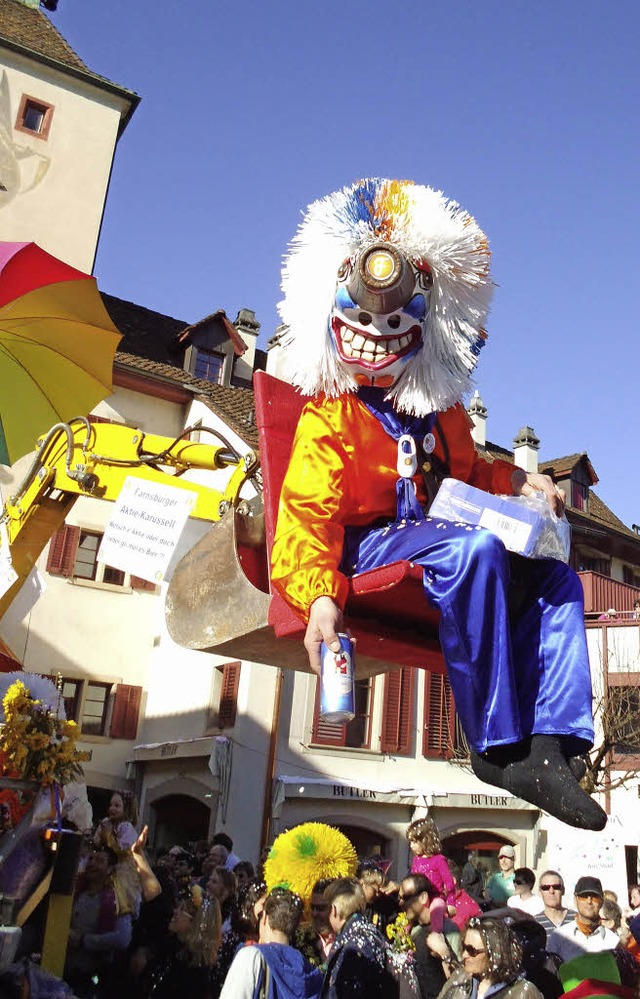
325,621
528,483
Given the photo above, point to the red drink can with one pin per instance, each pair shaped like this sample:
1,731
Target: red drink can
337,695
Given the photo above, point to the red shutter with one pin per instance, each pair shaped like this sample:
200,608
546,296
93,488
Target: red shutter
126,711
137,583
324,732
229,695
439,716
62,551
397,712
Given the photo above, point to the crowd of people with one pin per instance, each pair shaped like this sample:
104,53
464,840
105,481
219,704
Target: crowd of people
199,921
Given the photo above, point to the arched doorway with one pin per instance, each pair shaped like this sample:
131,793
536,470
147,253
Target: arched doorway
367,842
179,818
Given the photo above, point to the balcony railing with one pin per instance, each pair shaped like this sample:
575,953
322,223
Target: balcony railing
602,593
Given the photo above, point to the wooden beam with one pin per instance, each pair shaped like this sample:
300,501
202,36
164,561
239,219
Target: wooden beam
34,900
56,934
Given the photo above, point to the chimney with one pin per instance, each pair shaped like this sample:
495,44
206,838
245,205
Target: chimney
525,449
478,413
248,327
246,322
277,353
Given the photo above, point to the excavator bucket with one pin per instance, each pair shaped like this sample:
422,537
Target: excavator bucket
211,600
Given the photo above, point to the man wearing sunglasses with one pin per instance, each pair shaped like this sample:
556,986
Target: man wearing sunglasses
319,909
435,953
584,934
554,914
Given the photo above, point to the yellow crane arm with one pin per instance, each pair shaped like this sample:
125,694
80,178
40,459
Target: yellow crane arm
94,459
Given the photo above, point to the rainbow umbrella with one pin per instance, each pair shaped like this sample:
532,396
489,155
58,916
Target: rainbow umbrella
57,344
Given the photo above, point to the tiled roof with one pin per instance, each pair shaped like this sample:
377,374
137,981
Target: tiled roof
162,338
561,464
600,512
29,28
150,343
146,333
233,405
492,451
559,468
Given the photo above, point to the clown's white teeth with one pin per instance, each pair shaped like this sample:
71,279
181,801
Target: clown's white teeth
356,345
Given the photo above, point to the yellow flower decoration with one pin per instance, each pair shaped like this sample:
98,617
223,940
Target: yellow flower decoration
306,853
399,933
35,744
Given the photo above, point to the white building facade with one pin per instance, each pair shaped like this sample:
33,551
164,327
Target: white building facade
59,125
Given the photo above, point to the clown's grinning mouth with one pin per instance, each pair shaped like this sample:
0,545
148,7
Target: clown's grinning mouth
354,345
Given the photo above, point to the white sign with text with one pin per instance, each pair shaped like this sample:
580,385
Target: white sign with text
145,528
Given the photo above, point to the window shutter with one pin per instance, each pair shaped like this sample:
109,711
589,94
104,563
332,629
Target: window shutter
397,712
62,551
324,732
137,583
439,717
126,711
229,695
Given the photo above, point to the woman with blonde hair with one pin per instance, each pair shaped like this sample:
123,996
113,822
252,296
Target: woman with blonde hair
189,967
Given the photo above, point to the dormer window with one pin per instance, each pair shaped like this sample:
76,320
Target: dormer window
579,495
209,365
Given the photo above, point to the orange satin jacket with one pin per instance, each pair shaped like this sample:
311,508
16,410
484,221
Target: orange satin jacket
342,472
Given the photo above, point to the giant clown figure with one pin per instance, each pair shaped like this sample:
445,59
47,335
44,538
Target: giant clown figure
386,294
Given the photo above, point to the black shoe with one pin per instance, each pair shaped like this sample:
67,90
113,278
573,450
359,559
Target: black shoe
537,771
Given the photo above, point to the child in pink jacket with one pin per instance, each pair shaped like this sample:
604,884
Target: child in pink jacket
424,842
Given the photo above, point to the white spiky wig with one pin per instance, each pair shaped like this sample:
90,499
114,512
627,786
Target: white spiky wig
424,225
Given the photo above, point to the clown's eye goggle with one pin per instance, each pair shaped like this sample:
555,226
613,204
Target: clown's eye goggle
382,279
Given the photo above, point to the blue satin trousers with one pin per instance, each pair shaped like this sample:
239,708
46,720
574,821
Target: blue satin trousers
513,671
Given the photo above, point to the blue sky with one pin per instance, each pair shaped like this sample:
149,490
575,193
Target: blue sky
527,114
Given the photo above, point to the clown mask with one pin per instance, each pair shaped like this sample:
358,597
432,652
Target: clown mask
387,284
380,311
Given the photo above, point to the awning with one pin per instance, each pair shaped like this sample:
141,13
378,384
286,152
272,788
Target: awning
287,788
176,748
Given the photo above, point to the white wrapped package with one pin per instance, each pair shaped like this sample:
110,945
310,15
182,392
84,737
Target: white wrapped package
525,524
